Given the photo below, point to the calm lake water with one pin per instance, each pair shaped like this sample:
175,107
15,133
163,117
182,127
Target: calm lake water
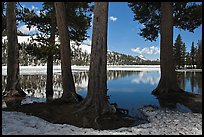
129,89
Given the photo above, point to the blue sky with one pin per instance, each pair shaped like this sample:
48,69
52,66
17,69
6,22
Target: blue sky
123,32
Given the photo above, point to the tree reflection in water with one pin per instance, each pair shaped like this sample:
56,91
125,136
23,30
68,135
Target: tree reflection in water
195,80
34,85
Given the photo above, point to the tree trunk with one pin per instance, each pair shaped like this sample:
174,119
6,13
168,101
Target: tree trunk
49,82
96,100
168,81
13,86
69,93
2,10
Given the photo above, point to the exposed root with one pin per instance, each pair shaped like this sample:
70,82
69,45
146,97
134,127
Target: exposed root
96,122
169,98
13,98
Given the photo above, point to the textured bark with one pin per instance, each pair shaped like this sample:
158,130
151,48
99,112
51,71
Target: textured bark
68,86
49,82
168,81
2,10
13,84
96,100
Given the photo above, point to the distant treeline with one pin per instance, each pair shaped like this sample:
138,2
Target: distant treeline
78,58
183,59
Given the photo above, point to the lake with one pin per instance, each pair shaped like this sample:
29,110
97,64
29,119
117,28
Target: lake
129,89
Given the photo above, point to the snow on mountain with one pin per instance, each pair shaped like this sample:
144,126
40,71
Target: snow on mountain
27,39
146,59
85,48
82,46
142,57
21,39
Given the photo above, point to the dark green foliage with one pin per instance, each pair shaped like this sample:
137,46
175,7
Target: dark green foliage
187,16
148,14
42,51
43,23
199,55
193,54
188,59
183,55
182,58
179,52
79,15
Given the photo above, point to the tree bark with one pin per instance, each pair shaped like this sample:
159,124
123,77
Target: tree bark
68,86
13,92
13,88
96,100
168,82
49,82
2,10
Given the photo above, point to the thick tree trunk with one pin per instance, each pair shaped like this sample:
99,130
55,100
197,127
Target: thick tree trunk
96,100
168,81
13,51
68,86
13,86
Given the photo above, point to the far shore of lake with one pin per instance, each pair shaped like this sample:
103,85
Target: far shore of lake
75,68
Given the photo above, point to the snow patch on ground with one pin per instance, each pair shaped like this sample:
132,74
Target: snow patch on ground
162,122
30,99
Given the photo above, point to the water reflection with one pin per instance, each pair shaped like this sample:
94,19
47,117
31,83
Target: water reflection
35,84
147,77
190,81
129,89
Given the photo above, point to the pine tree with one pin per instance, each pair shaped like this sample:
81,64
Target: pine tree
199,55
161,17
183,55
69,91
77,26
13,90
188,59
177,51
96,102
192,55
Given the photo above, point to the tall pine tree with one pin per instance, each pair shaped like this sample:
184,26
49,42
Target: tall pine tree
177,51
13,91
179,54
192,55
183,55
199,55
161,17
79,22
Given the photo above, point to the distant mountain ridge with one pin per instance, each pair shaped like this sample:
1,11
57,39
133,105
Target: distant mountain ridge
81,55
